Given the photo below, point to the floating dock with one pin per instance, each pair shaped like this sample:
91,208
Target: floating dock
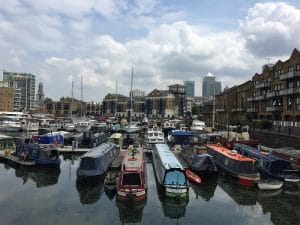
7,156
69,149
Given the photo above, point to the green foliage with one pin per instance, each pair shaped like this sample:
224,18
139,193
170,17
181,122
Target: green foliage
195,110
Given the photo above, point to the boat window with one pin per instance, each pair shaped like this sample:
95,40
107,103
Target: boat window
87,163
44,155
131,179
175,177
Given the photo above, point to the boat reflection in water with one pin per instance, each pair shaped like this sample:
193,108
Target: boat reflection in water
278,205
43,177
240,194
131,211
173,208
90,190
206,190
110,186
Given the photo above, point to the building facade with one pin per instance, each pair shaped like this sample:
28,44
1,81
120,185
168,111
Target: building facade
6,99
210,86
272,95
24,85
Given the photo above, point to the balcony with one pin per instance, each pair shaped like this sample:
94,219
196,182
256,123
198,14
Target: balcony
261,97
250,110
271,94
263,85
287,91
277,108
289,75
250,99
238,109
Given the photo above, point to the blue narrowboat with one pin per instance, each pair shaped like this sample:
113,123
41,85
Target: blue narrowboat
269,165
169,172
96,161
41,155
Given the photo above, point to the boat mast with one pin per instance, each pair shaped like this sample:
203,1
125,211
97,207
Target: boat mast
116,109
72,94
81,109
131,96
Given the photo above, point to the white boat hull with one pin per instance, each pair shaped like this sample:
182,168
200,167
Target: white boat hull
269,185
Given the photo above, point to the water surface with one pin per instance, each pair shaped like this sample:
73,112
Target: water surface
43,196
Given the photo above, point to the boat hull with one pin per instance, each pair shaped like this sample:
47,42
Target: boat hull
273,185
237,166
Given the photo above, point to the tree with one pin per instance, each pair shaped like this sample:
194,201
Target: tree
48,101
195,110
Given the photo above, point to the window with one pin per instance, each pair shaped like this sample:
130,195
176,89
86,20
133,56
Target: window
291,68
131,179
298,67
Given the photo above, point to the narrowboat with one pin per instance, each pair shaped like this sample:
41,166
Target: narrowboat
270,166
170,175
96,161
201,164
132,181
40,155
289,154
238,166
91,139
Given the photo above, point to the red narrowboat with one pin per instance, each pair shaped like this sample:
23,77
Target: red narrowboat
238,166
132,181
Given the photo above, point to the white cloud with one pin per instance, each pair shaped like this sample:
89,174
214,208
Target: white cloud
271,29
62,41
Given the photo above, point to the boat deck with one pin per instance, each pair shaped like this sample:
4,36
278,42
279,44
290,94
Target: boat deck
117,162
69,149
15,159
180,159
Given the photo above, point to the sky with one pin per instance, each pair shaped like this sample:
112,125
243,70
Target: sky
165,42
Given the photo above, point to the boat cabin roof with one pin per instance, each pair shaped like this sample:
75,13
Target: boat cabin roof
233,154
98,151
256,153
181,133
167,157
133,161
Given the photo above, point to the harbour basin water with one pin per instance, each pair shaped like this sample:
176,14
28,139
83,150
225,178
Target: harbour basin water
52,196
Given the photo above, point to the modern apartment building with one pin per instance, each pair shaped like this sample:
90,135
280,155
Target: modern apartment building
24,86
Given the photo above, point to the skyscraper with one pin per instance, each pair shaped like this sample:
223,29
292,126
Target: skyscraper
210,86
24,83
190,88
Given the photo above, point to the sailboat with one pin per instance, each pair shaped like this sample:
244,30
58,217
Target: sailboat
131,127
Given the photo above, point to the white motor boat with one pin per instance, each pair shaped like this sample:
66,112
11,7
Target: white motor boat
269,184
